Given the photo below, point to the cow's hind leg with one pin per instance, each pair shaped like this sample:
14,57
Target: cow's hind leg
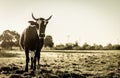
32,58
32,62
27,59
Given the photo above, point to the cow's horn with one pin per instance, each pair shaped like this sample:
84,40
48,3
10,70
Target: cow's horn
49,17
33,17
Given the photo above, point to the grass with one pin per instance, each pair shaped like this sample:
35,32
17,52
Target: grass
67,64
6,54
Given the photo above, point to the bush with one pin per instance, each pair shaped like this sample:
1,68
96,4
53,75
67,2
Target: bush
59,47
69,46
76,48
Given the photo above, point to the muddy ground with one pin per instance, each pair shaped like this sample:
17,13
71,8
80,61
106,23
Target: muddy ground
64,64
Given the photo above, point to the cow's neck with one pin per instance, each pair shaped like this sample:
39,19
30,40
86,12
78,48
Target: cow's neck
37,32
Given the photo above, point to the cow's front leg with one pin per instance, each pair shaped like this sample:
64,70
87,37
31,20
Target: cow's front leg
35,56
39,49
27,59
38,57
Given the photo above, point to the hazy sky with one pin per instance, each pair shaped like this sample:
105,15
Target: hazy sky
91,21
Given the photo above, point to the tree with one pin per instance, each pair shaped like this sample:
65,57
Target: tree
76,46
86,46
48,41
116,47
108,47
96,47
9,39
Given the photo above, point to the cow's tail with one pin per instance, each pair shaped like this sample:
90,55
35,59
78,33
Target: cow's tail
21,41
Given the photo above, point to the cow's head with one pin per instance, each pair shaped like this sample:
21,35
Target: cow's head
42,23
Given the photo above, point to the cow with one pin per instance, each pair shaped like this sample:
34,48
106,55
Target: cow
32,40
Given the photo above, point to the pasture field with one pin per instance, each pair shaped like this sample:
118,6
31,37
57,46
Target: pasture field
63,64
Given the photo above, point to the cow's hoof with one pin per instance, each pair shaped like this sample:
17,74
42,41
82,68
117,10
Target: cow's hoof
32,73
26,70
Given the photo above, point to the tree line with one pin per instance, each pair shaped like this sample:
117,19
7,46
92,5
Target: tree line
86,46
10,39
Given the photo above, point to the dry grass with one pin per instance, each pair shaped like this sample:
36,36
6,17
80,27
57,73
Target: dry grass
82,64
5,54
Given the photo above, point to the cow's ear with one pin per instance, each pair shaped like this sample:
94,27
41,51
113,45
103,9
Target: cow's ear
30,22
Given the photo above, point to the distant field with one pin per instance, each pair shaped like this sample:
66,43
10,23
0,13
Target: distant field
65,64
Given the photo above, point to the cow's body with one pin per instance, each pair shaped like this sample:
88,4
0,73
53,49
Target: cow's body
32,39
30,42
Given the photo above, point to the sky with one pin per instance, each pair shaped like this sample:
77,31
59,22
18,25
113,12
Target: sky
91,21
